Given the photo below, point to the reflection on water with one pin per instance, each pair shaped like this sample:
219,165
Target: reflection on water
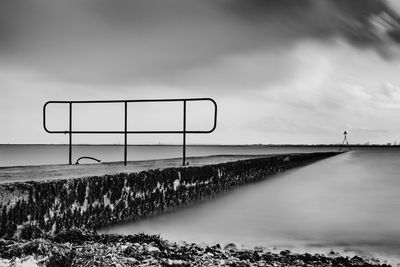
348,202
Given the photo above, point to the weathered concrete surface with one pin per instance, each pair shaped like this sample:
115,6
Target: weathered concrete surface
89,202
64,171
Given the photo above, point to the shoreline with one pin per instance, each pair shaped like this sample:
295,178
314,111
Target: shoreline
87,248
220,145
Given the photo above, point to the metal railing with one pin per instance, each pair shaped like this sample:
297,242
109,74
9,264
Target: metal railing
125,132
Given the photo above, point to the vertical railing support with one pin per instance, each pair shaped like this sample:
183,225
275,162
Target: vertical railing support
126,134
184,133
70,133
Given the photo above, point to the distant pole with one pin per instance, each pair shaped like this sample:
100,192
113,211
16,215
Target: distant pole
345,141
70,134
126,134
184,134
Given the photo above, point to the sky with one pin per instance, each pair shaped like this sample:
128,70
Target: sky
281,71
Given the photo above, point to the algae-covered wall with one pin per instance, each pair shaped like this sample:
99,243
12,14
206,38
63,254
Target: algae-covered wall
90,202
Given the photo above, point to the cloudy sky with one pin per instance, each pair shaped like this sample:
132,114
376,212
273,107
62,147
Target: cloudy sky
281,71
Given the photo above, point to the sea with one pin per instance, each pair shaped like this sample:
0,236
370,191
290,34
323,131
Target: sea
32,155
348,203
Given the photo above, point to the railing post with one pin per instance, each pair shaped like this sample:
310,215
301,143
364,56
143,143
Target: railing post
126,134
70,133
184,133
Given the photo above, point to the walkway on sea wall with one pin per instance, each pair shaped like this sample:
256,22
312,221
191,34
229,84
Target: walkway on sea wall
48,172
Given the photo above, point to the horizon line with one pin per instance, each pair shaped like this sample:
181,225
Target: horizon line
174,144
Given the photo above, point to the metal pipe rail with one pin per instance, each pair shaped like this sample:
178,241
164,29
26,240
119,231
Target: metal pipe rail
91,158
125,132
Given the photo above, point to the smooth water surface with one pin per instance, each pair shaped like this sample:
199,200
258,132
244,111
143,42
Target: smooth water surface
23,155
349,202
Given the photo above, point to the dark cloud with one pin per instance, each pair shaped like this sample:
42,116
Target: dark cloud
319,19
102,41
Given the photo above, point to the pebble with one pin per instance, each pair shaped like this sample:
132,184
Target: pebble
147,250
153,249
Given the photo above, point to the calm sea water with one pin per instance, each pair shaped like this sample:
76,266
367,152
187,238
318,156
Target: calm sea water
24,155
349,203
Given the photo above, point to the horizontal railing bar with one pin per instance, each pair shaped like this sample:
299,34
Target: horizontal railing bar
131,101
130,132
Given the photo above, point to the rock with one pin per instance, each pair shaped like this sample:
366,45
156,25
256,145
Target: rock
333,253
251,256
144,250
153,249
216,247
175,262
259,249
230,246
285,252
239,264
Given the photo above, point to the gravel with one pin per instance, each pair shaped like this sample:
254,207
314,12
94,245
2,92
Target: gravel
87,248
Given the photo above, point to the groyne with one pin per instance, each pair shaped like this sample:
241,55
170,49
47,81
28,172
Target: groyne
53,206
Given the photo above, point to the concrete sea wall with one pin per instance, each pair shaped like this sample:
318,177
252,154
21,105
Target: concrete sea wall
91,202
